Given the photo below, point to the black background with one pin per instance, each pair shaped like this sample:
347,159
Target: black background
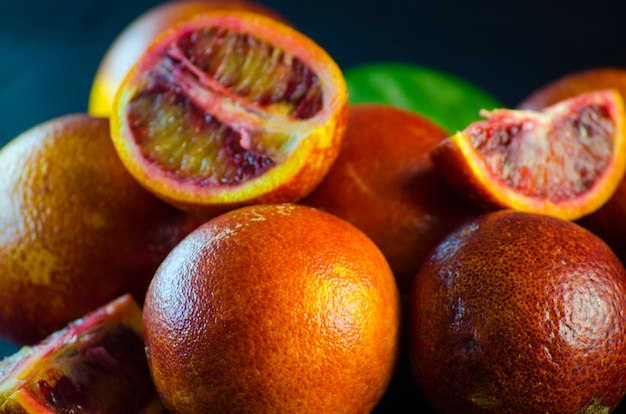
50,51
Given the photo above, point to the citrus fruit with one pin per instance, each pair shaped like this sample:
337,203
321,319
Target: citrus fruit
446,99
76,228
129,44
273,308
95,364
384,183
575,83
607,222
230,108
565,161
518,312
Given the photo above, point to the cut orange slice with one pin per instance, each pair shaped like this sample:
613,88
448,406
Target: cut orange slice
565,161
95,364
230,108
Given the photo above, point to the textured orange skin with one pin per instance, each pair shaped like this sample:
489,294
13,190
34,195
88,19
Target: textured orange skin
128,46
290,180
463,167
608,221
384,183
75,229
517,312
273,309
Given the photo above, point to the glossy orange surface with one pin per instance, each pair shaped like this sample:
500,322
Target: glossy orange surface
273,308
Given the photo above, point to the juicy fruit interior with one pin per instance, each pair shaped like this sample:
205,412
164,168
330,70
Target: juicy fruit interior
76,378
88,367
521,149
172,121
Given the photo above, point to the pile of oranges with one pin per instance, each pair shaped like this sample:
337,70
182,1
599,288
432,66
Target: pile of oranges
295,253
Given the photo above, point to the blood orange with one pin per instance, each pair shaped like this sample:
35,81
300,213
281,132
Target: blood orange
518,312
128,46
274,308
96,364
230,108
565,161
76,229
607,222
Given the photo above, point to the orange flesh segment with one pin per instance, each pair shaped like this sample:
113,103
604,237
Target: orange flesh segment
525,153
170,114
240,65
89,366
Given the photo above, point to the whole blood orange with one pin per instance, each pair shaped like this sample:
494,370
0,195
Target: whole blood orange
565,161
519,312
76,230
95,364
273,308
384,183
607,222
230,108
128,46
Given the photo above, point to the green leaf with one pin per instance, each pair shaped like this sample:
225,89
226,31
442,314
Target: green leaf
449,101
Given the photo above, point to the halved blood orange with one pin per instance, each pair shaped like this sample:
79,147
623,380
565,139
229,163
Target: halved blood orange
565,161
140,33
230,108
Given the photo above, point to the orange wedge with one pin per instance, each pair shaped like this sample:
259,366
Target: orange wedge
565,161
95,364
